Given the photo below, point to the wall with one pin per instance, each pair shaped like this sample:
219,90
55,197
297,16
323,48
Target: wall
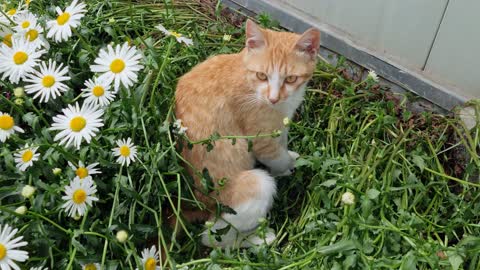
439,39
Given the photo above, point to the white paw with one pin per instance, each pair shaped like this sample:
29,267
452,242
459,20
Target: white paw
285,173
293,154
255,240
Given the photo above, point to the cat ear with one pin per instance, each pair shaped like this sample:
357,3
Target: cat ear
309,42
255,38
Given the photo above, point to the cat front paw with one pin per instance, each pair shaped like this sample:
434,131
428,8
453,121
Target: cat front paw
283,165
293,154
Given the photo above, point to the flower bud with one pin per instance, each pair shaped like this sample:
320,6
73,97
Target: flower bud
122,236
372,75
21,210
28,191
56,171
19,101
19,92
286,121
348,198
209,224
227,37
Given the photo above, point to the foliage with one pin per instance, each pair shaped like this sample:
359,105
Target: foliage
414,204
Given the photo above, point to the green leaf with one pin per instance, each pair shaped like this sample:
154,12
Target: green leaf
372,193
409,262
207,181
455,259
329,183
343,245
328,163
302,162
250,145
418,160
79,246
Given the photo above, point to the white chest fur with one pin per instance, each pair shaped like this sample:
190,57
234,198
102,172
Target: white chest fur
289,107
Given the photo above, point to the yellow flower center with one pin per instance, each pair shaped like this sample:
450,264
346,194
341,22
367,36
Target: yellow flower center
27,156
117,65
79,196
90,266
12,12
48,81
63,18
175,34
78,123
3,252
7,40
98,91
20,57
125,151
25,24
150,264
27,2
6,122
31,34
81,172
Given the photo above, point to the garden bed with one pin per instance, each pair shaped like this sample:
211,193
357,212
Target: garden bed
416,199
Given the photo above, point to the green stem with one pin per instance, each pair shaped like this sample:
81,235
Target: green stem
110,220
74,252
84,42
49,221
160,71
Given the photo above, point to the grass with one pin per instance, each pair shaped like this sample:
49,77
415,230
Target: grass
414,175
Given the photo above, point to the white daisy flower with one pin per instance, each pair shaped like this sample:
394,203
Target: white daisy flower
372,75
6,34
126,151
25,157
180,38
119,65
150,259
91,266
48,82
83,171
11,13
34,36
97,92
79,195
77,123
8,248
24,21
39,268
27,2
179,128
18,60
60,28
7,126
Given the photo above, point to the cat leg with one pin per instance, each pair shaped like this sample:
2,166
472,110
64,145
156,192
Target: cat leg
250,195
273,153
280,164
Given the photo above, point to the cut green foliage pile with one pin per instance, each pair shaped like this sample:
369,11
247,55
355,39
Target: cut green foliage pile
377,186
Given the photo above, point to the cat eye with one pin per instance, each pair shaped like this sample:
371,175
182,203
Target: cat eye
261,76
291,79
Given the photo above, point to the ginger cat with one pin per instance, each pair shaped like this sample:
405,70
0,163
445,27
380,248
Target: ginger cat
247,93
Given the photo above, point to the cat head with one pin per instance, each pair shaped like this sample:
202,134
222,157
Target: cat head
279,64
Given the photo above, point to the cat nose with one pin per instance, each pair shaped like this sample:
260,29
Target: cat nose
274,100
